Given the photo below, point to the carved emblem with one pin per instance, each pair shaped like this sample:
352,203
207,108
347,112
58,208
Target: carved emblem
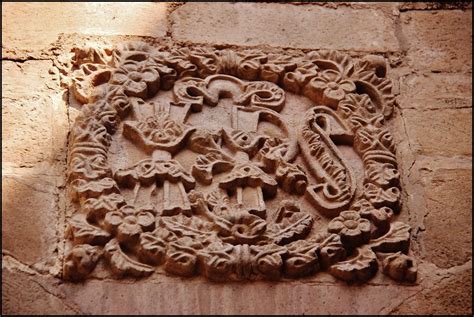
197,161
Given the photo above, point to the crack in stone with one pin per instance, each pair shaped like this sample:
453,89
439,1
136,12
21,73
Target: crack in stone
61,297
439,108
23,60
11,262
430,287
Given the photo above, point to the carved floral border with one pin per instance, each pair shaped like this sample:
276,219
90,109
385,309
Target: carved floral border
356,89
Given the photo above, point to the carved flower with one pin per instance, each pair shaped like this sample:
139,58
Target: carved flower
353,229
239,227
129,223
160,129
328,88
139,79
235,226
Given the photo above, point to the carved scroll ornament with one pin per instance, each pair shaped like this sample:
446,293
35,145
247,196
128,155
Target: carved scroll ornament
209,214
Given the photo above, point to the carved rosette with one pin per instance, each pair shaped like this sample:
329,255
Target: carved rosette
228,232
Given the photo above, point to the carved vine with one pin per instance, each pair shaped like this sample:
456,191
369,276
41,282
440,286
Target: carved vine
186,231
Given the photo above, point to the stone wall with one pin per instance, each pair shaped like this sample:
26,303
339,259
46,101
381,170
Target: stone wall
429,49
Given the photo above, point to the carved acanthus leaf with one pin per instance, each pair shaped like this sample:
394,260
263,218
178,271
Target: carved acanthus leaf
193,227
82,232
217,261
399,266
152,248
302,258
331,249
291,224
87,81
80,261
182,257
359,268
268,260
121,264
397,239
379,197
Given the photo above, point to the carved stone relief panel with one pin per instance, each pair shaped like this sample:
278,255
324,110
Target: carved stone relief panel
233,164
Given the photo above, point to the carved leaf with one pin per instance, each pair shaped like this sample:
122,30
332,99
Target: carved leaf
97,207
302,258
182,257
217,260
380,197
267,260
187,226
80,261
297,226
360,268
276,67
122,264
331,250
83,233
152,249
207,165
397,239
399,266
87,79
91,54
291,178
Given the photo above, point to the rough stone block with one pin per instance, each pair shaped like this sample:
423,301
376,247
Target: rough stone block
435,91
34,115
200,297
447,193
439,40
29,217
284,25
36,25
452,296
29,295
446,132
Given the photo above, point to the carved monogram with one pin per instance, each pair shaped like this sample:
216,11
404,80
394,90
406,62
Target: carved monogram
209,172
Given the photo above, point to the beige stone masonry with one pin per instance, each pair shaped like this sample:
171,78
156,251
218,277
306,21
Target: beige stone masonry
427,48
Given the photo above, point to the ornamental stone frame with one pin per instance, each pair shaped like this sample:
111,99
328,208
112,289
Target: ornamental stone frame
233,164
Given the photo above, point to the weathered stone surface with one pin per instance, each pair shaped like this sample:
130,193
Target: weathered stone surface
451,296
34,114
450,131
200,297
24,294
439,40
432,135
30,217
36,25
284,25
448,5
436,91
446,195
